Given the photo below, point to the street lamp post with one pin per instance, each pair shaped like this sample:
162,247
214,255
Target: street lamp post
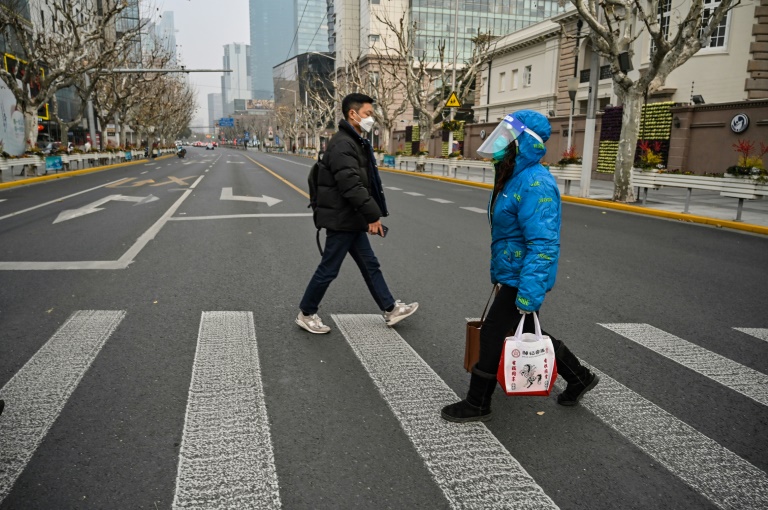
453,74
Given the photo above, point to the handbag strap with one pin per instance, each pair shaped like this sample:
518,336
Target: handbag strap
485,310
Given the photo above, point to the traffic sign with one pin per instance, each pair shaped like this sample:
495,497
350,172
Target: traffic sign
453,101
227,122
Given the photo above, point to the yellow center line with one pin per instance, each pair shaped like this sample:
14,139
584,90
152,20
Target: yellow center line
301,191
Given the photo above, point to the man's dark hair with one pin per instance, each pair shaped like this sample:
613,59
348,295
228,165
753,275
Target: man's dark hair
353,102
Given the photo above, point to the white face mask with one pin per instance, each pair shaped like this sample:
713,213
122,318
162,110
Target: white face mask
366,124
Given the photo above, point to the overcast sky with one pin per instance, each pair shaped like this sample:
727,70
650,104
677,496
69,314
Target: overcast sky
203,28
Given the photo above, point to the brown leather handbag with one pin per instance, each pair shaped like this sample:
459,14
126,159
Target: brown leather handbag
472,348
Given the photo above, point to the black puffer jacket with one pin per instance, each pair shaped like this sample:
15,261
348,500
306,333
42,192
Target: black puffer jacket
345,193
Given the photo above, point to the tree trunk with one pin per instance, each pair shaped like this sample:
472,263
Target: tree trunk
625,159
30,127
386,133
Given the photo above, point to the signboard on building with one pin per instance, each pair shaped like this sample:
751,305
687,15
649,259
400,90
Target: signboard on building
240,105
260,104
11,123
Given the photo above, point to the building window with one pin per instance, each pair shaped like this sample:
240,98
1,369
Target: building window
527,72
376,2
515,82
502,80
665,10
373,38
717,40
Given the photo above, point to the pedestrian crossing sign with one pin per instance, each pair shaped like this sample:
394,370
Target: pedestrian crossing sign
453,101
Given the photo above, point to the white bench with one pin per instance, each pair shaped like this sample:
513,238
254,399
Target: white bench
568,173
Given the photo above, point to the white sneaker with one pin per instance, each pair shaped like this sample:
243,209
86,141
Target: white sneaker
400,312
312,323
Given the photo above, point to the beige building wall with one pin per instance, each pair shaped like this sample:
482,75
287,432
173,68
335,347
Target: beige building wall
375,36
347,30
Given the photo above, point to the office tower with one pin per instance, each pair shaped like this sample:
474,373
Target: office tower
272,29
166,35
215,110
237,84
310,28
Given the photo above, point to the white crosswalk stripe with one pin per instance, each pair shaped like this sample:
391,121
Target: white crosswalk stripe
718,474
761,333
226,458
468,463
37,393
735,376
441,201
475,209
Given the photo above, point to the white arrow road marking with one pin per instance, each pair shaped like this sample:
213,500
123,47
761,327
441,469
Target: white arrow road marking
35,396
441,201
468,463
475,209
748,382
94,207
761,333
226,458
226,194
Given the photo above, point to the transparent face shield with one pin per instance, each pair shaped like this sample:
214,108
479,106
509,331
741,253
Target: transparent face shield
505,133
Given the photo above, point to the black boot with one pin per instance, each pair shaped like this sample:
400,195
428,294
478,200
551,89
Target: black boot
2,405
580,380
477,405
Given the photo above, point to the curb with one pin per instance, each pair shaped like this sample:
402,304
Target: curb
73,173
605,204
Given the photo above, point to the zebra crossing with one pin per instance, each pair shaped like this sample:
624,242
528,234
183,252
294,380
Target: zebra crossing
227,458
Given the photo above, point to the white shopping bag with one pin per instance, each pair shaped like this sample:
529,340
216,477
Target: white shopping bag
527,366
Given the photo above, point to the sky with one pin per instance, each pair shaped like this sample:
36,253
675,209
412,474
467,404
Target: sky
203,28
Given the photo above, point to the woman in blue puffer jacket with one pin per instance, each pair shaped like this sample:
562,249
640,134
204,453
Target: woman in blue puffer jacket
524,215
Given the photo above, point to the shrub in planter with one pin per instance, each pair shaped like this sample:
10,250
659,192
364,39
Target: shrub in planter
750,162
570,157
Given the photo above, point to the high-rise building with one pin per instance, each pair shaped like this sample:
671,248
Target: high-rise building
129,21
310,28
237,84
166,35
215,111
272,28
355,26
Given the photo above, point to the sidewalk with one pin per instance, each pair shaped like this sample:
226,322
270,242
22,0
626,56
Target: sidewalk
669,202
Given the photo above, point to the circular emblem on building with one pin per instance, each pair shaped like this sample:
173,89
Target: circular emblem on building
739,123
515,353
376,132
482,134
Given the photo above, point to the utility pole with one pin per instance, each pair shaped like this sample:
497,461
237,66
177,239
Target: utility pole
589,129
453,74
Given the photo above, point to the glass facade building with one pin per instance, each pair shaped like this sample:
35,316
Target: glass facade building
310,29
434,21
272,28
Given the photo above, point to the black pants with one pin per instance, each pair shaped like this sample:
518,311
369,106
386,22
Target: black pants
503,317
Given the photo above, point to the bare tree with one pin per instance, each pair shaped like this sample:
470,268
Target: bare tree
80,39
426,78
615,25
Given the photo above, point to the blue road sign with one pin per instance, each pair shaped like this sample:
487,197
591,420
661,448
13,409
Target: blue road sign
247,136
227,122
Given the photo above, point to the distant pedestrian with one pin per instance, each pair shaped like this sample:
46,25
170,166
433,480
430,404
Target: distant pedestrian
524,213
350,204
87,147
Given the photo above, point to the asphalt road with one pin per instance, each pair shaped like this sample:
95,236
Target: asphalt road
198,290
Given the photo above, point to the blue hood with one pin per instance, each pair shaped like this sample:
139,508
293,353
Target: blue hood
531,151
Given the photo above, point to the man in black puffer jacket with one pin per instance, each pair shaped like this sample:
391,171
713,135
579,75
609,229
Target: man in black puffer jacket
350,204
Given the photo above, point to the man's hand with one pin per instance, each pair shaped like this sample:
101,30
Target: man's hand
375,228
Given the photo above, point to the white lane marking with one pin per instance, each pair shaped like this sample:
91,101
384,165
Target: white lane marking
441,200
227,194
206,170
735,376
393,188
468,463
36,394
58,266
761,333
413,193
238,216
58,200
150,164
309,163
150,234
474,209
226,458
3,199
93,207
715,472
144,172
236,162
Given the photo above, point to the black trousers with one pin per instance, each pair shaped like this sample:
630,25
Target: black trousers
503,317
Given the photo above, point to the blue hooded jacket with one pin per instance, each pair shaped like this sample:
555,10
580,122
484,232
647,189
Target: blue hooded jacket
525,221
